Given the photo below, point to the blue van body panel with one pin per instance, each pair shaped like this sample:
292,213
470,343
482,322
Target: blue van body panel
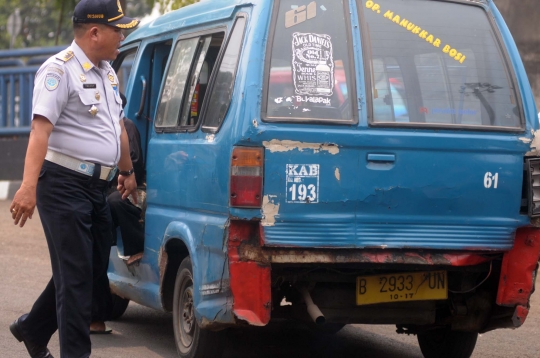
349,213
380,187
361,95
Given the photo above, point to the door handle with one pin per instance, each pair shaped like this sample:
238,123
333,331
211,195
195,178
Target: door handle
381,158
143,97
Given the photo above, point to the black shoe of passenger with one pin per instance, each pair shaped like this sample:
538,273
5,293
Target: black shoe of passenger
34,350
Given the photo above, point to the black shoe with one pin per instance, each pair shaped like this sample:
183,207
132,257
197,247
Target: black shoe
34,350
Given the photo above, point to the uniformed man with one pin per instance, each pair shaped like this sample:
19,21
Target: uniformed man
76,143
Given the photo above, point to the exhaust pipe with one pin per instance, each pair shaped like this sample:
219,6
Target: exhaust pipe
314,311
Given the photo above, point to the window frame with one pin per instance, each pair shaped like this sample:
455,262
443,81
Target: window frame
119,60
198,34
212,79
510,73
353,79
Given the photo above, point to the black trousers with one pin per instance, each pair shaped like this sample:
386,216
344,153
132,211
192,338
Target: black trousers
126,216
77,223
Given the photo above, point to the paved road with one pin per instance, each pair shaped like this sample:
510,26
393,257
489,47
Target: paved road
146,333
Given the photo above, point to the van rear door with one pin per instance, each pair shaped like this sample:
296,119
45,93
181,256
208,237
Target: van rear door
430,159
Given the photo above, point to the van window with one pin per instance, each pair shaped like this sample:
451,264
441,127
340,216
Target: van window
309,76
222,91
187,80
175,83
209,48
436,63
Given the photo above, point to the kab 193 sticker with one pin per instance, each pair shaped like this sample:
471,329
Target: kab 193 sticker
303,183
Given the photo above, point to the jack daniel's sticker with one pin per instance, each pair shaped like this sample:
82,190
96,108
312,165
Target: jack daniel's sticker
313,64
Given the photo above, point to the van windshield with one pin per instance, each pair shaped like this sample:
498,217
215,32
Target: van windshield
436,63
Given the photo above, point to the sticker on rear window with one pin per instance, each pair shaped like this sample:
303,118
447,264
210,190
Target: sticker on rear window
303,183
416,30
313,64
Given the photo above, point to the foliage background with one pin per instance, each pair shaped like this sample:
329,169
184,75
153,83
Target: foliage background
44,20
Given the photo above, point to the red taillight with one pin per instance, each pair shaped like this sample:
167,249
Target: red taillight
247,177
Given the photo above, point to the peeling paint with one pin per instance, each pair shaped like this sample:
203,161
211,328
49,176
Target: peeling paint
270,210
210,289
337,174
163,259
210,138
525,140
276,145
535,144
255,123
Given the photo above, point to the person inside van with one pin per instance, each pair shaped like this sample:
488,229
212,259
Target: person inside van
127,216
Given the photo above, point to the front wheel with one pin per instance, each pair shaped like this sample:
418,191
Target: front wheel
444,343
191,340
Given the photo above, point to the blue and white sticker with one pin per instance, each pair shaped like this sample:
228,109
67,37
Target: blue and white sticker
52,80
303,183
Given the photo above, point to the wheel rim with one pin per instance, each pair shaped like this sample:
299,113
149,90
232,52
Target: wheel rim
186,316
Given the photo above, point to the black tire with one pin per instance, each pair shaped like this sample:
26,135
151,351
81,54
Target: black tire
119,306
191,340
444,343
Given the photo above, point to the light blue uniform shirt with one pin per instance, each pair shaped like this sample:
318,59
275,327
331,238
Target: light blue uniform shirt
84,105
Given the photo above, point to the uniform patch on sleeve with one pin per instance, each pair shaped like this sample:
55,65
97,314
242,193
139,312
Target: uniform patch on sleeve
53,68
52,80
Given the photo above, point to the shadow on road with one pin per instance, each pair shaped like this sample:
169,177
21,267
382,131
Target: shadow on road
143,332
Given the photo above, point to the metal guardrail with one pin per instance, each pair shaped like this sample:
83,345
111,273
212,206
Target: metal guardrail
17,85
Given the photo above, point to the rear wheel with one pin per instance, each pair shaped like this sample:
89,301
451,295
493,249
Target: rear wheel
191,340
444,343
119,306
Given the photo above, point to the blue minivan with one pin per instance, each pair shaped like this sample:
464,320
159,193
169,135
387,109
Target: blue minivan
333,162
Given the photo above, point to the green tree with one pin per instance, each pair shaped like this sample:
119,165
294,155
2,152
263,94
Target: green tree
39,24
48,22
170,5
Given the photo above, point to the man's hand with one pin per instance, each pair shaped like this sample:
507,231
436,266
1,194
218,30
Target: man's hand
127,185
23,205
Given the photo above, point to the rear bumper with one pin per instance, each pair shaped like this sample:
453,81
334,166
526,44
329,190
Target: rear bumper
351,256
518,274
252,269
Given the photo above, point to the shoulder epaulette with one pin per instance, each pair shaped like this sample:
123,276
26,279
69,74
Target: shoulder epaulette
65,56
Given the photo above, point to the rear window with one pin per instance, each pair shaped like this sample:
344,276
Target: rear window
309,76
436,63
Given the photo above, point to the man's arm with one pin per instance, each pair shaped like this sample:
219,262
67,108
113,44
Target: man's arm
127,185
24,203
